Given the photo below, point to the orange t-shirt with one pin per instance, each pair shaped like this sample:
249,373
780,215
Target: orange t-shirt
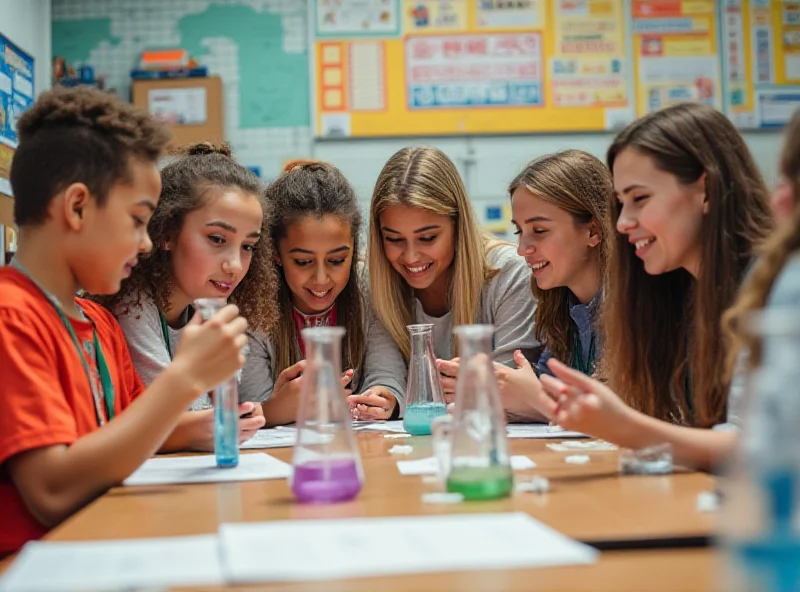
45,396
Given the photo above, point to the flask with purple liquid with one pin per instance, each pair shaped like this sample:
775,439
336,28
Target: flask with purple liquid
327,464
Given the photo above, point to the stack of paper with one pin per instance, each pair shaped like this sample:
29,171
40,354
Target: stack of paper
540,431
203,469
326,549
115,565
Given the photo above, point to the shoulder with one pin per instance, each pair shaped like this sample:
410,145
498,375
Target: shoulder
786,290
511,268
505,258
21,296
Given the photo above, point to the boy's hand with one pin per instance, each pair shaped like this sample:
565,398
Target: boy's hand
375,403
211,352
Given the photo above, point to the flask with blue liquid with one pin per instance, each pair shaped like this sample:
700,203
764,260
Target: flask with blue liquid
760,519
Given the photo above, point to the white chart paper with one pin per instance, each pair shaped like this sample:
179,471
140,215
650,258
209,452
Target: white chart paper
325,549
115,565
430,466
203,469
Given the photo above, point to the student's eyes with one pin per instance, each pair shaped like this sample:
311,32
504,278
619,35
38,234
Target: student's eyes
517,231
216,239
427,239
392,240
540,231
640,198
138,222
302,262
249,248
337,262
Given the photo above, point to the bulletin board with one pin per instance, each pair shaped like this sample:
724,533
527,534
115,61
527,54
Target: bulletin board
446,67
676,57
440,67
761,61
16,95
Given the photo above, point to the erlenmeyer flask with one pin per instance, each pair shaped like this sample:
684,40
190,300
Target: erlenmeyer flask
327,465
478,465
424,398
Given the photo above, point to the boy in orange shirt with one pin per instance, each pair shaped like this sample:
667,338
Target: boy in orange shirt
74,417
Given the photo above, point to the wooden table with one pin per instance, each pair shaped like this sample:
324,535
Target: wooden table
588,502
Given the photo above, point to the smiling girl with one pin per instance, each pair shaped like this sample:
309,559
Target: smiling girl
206,234
559,204
690,209
314,224
430,262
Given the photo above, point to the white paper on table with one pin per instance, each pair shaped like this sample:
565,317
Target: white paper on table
271,438
203,469
323,549
430,466
283,437
115,565
540,431
395,426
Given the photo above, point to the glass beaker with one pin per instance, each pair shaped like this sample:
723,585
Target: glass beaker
327,464
424,397
225,399
761,494
471,443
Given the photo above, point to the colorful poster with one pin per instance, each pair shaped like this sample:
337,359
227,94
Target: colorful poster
790,41
16,95
474,70
676,54
775,108
588,68
342,18
514,14
434,16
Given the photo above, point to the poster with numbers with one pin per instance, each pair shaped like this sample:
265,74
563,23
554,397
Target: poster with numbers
16,95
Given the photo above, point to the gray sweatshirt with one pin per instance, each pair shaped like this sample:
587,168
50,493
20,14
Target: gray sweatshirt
149,353
506,302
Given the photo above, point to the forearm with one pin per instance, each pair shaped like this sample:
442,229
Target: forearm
280,410
54,482
694,448
192,433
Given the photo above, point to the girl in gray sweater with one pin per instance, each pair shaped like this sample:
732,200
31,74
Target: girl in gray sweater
430,262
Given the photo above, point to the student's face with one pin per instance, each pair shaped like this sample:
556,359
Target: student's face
419,244
316,255
661,218
213,250
116,232
556,248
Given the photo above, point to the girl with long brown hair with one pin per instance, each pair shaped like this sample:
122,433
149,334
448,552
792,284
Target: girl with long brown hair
559,204
691,210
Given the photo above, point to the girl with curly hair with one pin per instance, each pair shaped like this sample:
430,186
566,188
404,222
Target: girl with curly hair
314,224
207,243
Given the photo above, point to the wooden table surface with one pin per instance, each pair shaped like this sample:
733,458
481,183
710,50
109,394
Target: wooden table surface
590,502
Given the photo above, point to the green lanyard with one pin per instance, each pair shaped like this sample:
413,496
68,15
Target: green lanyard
165,334
102,367
577,355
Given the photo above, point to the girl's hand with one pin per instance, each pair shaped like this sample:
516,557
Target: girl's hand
375,403
521,393
585,404
251,419
448,373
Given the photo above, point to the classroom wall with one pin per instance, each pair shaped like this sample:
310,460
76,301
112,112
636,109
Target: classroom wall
260,49
27,24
